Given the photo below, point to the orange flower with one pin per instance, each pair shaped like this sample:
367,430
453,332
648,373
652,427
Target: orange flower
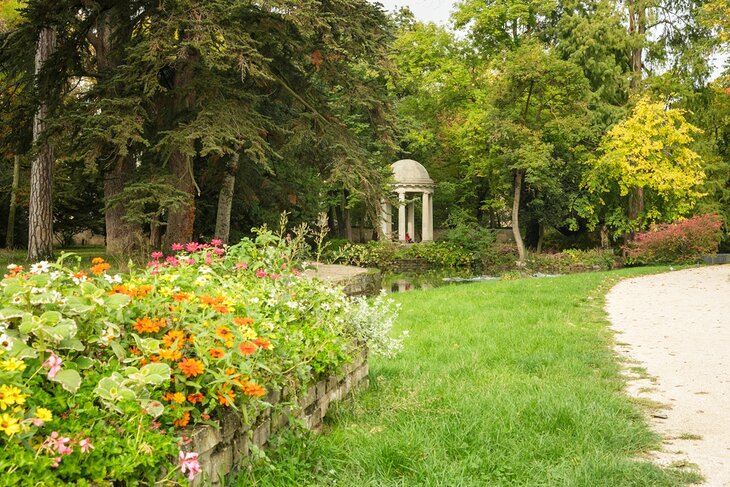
143,290
170,354
177,397
195,398
230,371
263,343
226,396
191,367
247,348
216,352
182,422
180,297
254,390
134,350
243,321
143,361
206,299
155,359
224,333
100,268
79,275
146,325
97,260
173,336
221,308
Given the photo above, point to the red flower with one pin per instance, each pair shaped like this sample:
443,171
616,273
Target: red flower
247,348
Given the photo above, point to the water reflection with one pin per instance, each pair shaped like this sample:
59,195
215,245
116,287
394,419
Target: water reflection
409,281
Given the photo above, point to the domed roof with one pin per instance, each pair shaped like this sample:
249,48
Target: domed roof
408,171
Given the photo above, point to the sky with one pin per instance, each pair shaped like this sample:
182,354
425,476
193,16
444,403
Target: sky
437,11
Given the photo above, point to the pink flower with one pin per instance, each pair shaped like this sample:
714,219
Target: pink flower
58,443
37,422
192,246
56,462
283,266
172,261
296,272
219,252
275,276
54,364
190,261
241,265
189,463
177,247
208,259
216,242
156,255
260,273
86,445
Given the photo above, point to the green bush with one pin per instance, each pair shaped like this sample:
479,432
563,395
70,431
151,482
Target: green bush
573,260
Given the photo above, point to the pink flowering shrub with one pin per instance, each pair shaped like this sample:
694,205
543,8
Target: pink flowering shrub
681,242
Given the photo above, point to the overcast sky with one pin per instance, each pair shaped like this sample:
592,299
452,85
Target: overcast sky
426,10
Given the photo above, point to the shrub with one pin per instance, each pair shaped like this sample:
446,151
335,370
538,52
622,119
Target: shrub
100,374
372,322
681,242
573,260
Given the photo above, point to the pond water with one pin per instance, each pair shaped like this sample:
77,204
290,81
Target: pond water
410,281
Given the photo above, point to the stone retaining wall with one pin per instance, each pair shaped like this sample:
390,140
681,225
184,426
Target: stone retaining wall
224,448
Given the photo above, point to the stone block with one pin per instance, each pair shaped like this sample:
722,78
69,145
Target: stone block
261,434
321,389
205,439
332,383
274,397
231,424
240,449
309,397
220,464
314,420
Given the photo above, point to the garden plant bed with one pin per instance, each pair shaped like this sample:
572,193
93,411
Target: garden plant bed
224,448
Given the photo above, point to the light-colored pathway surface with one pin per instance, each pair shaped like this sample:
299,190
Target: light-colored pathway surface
677,326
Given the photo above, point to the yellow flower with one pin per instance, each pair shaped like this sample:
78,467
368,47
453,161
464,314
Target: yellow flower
9,424
10,395
43,414
12,364
249,334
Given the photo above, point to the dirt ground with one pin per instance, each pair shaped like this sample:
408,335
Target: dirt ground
673,329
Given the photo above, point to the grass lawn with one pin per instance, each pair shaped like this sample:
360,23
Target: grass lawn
500,383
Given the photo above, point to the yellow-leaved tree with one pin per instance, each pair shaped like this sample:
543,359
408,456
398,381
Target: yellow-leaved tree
646,171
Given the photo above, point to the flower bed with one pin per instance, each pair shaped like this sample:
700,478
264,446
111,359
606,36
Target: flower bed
101,375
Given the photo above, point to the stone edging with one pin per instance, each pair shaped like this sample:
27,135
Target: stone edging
222,449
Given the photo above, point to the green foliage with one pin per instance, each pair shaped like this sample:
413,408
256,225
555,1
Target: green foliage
682,242
649,151
386,255
574,260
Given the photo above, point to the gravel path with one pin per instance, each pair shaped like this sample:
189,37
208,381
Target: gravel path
676,326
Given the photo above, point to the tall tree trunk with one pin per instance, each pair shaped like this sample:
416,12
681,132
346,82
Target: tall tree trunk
637,29
181,219
40,211
540,237
111,34
10,236
225,201
347,215
122,238
605,242
519,175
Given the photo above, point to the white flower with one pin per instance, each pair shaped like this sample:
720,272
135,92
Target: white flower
3,326
254,300
55,275
5,341
12,267
326,306
40,267
108,335
271,302
37,290
202,280
292,304
56,296
115,279
204,269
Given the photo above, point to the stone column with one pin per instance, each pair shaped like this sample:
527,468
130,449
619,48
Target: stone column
427,222
412,220
402,216
386,220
